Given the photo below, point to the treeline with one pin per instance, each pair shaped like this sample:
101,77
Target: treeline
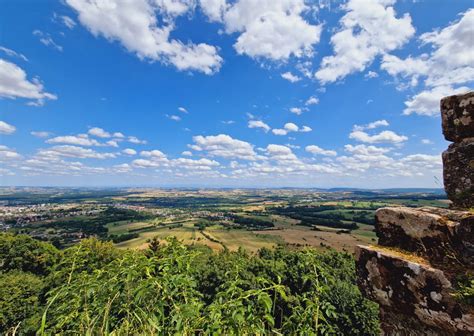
93,288
251,222
319,215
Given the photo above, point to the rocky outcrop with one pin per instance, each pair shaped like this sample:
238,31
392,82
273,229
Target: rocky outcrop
443,236
458,161
414,298
457,114
423,252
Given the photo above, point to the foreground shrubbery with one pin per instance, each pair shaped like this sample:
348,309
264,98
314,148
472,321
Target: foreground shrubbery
93,288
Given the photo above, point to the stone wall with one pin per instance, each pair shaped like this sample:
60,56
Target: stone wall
423,252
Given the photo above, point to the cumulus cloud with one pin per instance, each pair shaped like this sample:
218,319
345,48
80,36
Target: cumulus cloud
372,125
443,70
6,128
290,77
99,132
74,152
8,154
313,149
296,110
427,102
258,124
135,140
366,150
223,145
73,140
368,29
272,29
182,109
290,127
136,26
312,101
382,137
14,84
129,151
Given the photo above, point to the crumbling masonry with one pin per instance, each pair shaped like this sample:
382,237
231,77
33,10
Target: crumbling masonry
424,253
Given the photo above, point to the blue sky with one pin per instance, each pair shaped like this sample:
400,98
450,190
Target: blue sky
240,93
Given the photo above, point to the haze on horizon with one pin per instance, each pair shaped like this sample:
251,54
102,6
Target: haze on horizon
216,93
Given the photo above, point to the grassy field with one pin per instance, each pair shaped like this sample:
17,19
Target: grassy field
217,237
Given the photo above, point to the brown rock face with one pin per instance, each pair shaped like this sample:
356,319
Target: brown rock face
442,236
414,298
424,251
457,114
458,162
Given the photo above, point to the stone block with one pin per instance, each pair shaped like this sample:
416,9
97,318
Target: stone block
414,297
457,115
458,173
443,236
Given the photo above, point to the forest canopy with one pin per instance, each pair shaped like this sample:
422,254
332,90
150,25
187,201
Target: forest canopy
94,288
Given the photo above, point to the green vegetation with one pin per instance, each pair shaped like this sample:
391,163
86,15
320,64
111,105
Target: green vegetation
95,289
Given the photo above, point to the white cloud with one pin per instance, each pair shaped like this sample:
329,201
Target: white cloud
368,29
258,124
6,128
427,102
68,22
366,150
73,140
99,132
448,65
291,127
112,143
40,134
153,154
272,29
8,154
313,149
279,131
74,151
371,74
201,164
214,9
182,109
187,153
296,110
382,137
135,140
426,142
136,26
290,77
372,125
13,53
223,145
14,84
47,40
312,101
174,117
129,151
280,152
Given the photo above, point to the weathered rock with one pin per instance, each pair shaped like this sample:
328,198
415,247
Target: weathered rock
457,114
414,298
444,236
458,162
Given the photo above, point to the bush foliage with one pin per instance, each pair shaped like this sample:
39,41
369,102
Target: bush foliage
94,289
